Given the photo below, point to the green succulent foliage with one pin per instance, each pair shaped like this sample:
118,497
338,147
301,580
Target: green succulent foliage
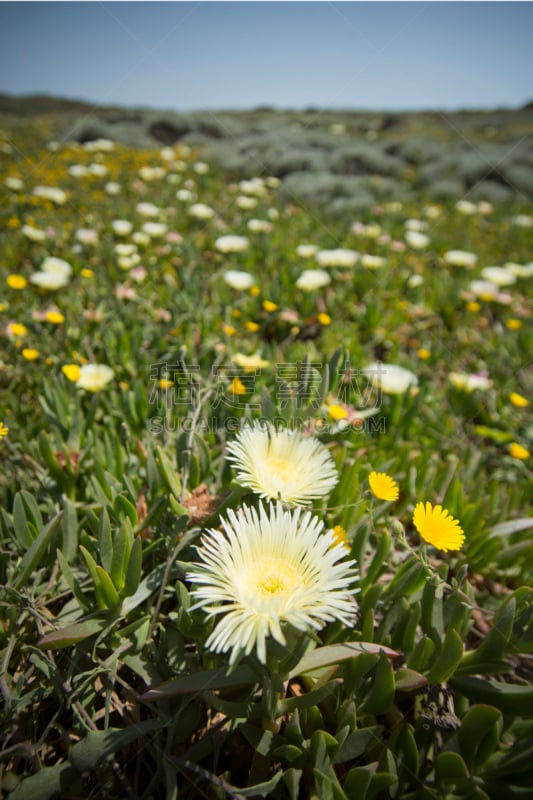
108,687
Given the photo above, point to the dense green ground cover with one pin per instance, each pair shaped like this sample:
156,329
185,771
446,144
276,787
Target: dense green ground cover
107,481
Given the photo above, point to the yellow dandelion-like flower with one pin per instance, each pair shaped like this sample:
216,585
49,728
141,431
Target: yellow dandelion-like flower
514,324
16,281
473,306
4,430
437,527
55,317
237,386
229,330
337,412
255,291
423,353
72,372
253,327
164,383
86,272
383,486
324,319
517,451
340,537
17,329
269,306
518,400
30,354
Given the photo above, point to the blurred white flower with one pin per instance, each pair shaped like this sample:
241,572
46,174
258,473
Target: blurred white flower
239,280
259,226
501,276
49,280
416,239
52,193
245,202
337,258
468,382
122,227
312,279
152,173
154,229
231,244
56,265
391,378
112,187
460,258
306,250
15,184
372,262
34,234
94,377
201,211
87,236
147,209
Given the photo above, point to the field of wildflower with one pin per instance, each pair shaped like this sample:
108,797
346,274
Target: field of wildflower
265,498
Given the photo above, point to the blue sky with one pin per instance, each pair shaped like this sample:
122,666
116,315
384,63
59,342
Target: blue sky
287,54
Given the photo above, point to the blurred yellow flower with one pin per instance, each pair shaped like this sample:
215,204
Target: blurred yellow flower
229,330
337,412
518,400
87,273
255,291
473,306
72,372
237,386
423,353
514,324
16,329
269,306
30,354
517,451
340,537
383,486
4,430
253,327
250,363
56,317
16,281
164,383
437,527
324,318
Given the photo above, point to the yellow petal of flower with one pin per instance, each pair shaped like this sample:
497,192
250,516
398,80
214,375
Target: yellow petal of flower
269,306
383,486
16,281
518,400
337,412
437,527
237,386
517,451
30,354
514,324
55,317
17,329
72,372
4,430
324,319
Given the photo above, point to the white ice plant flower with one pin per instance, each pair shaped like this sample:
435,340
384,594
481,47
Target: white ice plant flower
94,377
460,258
266,569
312,279
231,243
391,378
340,257
282,464
239,280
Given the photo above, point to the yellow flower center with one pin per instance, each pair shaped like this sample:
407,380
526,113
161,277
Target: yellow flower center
281,467
275,577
